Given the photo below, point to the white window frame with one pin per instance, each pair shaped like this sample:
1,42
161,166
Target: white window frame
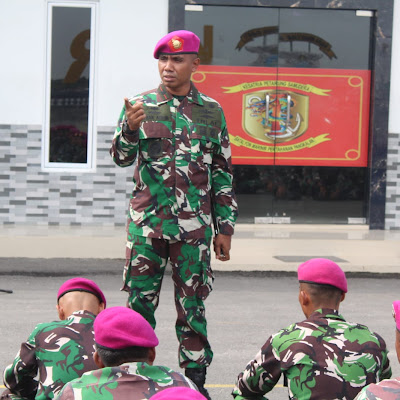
90,164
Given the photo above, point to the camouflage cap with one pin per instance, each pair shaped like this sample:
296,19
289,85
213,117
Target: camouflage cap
177,42
322,271
81,285
178,393
120,327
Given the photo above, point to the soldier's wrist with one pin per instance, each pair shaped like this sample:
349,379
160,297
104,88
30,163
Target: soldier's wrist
129,134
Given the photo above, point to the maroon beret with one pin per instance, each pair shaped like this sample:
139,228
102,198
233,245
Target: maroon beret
120,327
177,42
396,313
81,285
322,271
178,393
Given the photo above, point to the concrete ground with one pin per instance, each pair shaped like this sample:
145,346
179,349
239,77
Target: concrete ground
255,293
242,311
255,247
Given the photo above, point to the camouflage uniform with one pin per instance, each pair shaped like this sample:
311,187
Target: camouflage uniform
133,381
388,389
323,357
183,160
57,352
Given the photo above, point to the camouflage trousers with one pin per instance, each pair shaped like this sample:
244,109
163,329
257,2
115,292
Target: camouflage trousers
146,260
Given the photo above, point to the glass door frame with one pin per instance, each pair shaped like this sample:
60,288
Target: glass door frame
380,80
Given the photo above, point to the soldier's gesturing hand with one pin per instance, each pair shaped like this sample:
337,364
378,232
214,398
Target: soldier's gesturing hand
134,114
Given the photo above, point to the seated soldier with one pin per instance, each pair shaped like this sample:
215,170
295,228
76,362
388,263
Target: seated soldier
125,351
322,357
58,351
388,389
178,393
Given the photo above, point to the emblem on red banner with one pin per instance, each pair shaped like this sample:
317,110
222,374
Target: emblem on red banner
275,116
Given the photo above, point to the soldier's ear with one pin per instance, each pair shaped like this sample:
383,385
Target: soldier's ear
61,313
195,64
304,298
151,355
305,302
97,360
101,307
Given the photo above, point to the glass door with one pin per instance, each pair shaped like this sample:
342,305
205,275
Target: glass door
324,58
233,41
295,91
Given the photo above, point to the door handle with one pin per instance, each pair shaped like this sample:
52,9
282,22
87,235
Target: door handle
266,110
289,99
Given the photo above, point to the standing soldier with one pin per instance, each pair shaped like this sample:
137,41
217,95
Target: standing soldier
179,139
59,351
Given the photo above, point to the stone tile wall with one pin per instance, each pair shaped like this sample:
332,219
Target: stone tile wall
100,198
392,213
30,196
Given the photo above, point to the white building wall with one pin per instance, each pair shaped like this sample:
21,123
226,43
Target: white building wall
127,32
392,219
394,104
22,50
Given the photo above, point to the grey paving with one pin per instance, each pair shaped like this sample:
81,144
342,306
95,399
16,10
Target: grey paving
254,248
255,292
243,310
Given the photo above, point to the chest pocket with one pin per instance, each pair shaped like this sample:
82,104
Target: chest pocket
155,137
205,130
202,148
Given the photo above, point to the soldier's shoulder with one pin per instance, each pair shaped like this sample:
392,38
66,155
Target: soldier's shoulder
365,330
45,326
387,389
210,100
148,94
285,333
87,377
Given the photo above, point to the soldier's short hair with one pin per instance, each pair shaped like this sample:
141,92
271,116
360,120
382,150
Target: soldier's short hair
115,357
323,293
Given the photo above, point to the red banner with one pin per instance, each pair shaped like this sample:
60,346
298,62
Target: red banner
302,116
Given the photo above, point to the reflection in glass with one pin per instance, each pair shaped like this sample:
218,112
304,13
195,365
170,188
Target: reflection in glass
305,194
227,32
70,58
292,37
282,38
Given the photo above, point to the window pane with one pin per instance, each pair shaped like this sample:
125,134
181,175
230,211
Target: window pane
226,34
324,39
70,62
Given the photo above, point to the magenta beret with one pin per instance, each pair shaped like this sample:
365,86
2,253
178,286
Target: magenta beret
396,313
180,42
81,285
322,271
178,393
120,327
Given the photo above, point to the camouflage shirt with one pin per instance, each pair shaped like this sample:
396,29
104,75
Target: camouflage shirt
183,159
323,357
54,354
133,381
388,389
